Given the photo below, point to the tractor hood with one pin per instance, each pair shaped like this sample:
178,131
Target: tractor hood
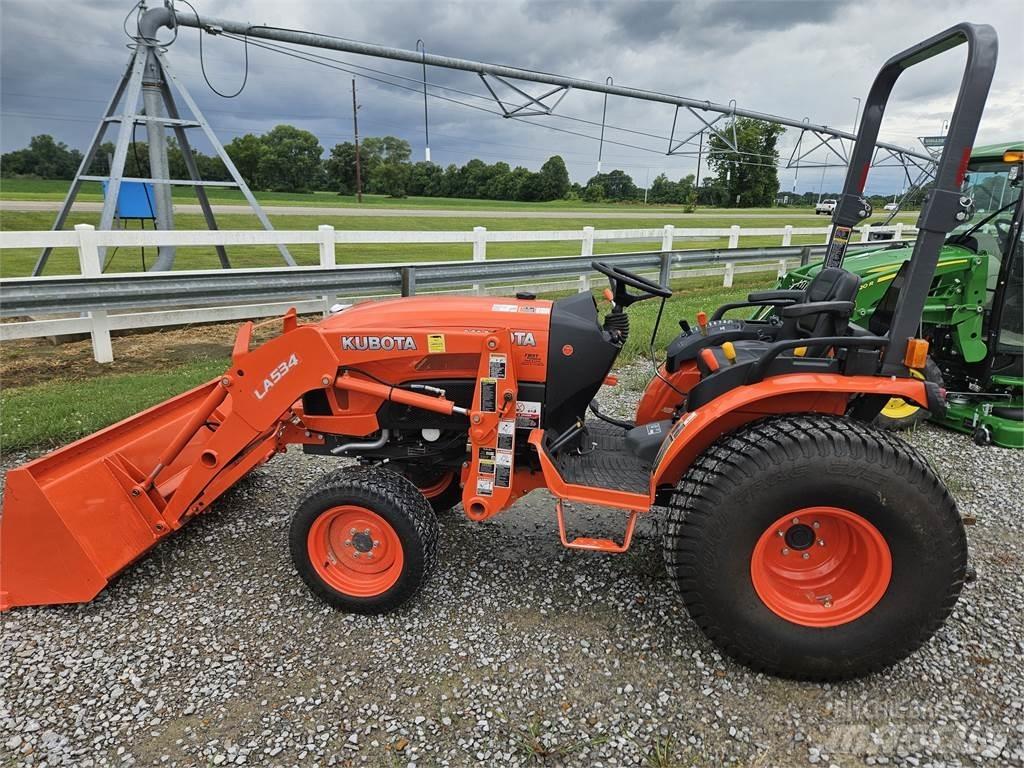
444,312
875,266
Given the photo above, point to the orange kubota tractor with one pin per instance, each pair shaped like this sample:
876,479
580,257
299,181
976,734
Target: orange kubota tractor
803,541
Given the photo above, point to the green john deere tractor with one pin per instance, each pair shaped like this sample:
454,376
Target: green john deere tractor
975,310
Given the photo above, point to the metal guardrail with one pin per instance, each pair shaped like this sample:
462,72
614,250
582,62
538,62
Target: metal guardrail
62,294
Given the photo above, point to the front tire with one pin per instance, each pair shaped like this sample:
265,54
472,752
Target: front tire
364,540
442,489
814,547
898,414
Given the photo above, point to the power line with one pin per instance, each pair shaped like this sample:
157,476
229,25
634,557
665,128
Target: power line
323,61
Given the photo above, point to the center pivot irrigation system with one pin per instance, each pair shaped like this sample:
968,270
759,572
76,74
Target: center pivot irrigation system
803,541
149,73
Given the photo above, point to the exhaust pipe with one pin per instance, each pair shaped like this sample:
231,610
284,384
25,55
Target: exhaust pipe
366,445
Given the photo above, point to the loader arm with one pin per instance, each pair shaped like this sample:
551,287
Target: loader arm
75,518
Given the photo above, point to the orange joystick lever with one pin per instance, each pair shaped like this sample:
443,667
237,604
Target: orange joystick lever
702,323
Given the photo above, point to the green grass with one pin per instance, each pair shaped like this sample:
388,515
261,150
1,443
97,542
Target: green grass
55,189
19,262
57,413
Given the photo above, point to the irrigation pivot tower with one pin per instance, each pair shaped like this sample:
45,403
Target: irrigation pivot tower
150,76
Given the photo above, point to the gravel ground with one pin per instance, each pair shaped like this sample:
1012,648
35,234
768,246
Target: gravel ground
211,652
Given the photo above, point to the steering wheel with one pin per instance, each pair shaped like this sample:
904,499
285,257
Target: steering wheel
620,278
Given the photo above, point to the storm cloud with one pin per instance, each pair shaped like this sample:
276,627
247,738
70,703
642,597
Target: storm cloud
59,62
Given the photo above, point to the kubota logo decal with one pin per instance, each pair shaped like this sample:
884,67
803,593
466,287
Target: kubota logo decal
275,376
384,343
524,339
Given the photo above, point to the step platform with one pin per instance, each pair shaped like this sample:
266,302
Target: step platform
605,461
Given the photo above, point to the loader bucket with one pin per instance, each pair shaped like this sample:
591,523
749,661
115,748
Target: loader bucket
73,519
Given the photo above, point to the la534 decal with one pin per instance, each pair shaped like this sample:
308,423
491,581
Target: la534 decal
275,376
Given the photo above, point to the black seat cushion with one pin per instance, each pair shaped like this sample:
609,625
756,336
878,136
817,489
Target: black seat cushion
830,284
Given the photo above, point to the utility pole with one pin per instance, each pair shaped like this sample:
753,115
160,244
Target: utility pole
355,126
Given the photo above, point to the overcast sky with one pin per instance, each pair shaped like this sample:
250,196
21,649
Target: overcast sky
60,60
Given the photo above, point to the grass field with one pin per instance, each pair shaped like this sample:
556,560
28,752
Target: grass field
71,402
55,189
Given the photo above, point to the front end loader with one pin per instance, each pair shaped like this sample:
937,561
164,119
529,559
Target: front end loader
803,541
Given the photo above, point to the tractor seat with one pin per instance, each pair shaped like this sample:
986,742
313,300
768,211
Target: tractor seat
829,285
826,312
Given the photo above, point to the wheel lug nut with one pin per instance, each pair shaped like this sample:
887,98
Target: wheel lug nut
377,544
796,521
781,533
348,542
367,531
785,550
827,603
821,542
817,524
806,555
351,531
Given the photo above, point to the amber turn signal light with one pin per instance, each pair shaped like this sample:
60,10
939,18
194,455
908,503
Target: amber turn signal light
917,353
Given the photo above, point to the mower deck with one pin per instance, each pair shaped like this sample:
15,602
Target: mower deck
604,461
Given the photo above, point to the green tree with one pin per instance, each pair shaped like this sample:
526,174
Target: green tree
425,179
290,161
593,192
662,190
246,152
554,179
390,178
43,157
374,150
749,176
617,185
340,168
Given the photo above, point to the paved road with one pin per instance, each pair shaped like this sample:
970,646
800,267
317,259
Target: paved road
439,213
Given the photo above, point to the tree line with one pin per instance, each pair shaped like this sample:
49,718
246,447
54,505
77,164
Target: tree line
289,159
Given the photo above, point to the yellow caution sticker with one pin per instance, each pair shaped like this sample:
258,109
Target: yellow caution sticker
435,342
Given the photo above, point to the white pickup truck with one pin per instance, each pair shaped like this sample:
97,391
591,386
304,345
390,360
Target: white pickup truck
827,207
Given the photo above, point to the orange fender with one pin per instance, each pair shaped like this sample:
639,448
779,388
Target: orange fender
790,393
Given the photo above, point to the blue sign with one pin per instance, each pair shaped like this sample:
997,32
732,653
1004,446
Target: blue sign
135,200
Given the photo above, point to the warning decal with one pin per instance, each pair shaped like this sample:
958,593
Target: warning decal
527,414
496,366
484,486
435,342
506,434
503,471
488,394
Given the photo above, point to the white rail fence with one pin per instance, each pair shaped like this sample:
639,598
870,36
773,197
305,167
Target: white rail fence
88,240
90,243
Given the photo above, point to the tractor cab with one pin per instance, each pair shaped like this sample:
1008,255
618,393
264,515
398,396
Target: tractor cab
974,311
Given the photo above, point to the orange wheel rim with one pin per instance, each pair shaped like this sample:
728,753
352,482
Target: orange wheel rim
821,566
355,551
436,489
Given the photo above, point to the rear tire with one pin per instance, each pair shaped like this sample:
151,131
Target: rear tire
899,414
885,508
364,540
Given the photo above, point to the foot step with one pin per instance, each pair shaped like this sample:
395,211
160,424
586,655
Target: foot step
591,543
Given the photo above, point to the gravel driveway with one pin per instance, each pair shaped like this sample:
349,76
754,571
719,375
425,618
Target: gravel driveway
211,652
